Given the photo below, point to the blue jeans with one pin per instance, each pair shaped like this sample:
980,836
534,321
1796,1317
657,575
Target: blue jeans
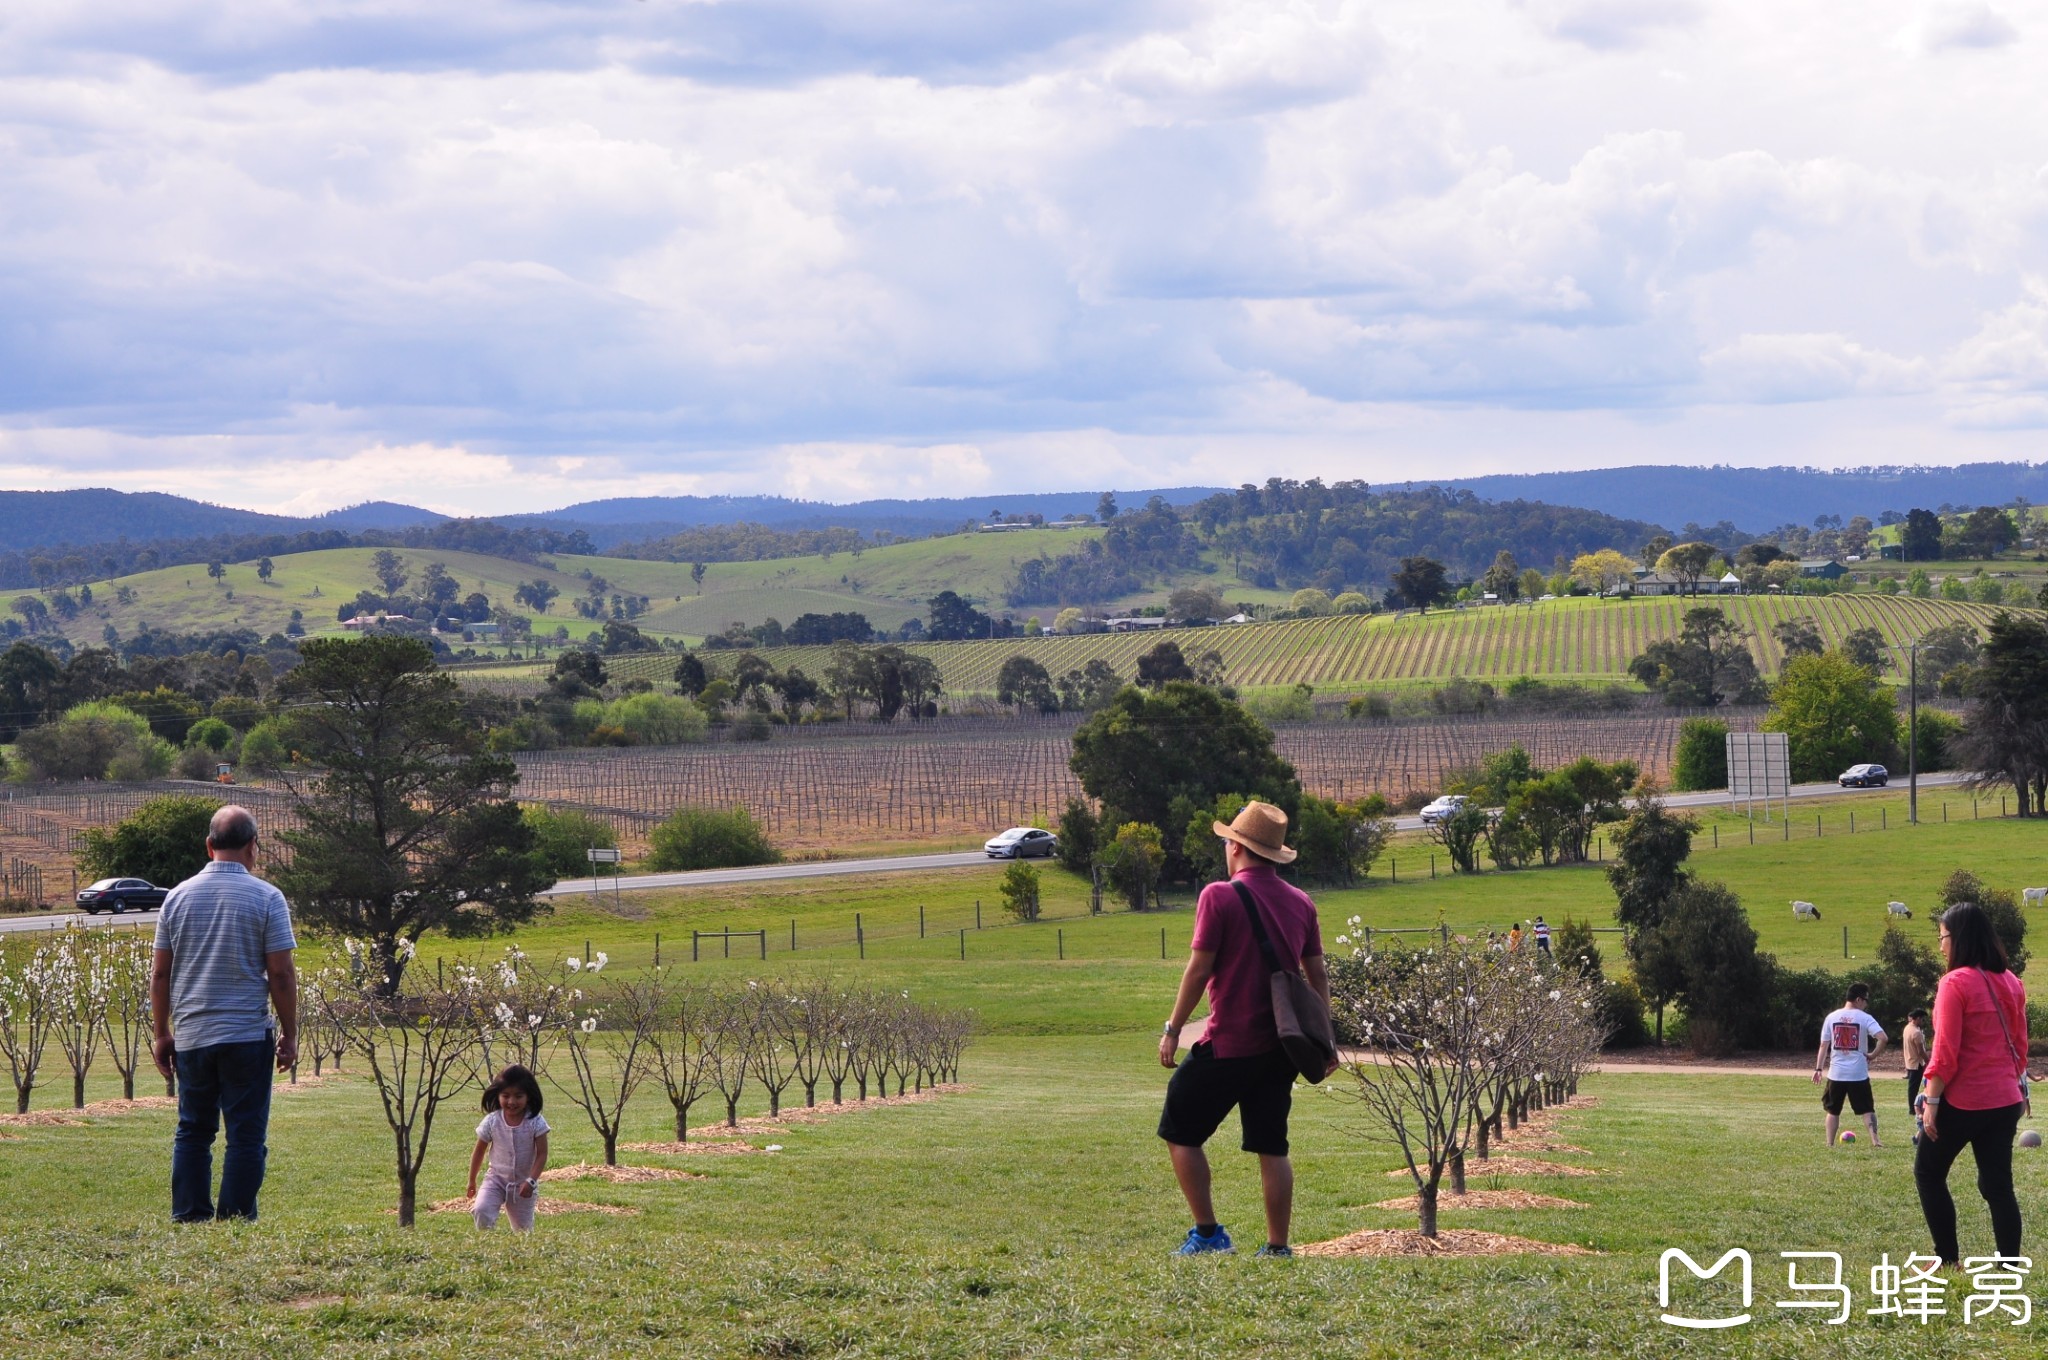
217,1082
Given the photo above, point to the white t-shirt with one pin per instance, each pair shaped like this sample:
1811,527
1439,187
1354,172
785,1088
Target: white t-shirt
511,1144
1848,1033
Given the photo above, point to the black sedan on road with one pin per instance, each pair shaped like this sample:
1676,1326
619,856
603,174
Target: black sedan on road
121,894
1864,777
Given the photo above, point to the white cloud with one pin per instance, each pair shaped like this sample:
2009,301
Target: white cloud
834,248
1967,25
1612,24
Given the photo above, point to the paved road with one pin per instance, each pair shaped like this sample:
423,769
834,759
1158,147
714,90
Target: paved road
1717,797
57,920
890,864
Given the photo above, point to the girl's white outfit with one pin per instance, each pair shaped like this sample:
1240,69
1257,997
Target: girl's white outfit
511,1164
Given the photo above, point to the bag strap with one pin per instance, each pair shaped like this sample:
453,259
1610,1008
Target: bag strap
1998,1009
1266,949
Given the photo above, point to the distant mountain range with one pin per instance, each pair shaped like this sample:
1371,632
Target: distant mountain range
1757,499
1753,499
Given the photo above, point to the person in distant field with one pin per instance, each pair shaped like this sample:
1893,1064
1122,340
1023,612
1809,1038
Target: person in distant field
223,962
1913,1048
1849,1038
1514,937
1238,1062
514,1138
1542,934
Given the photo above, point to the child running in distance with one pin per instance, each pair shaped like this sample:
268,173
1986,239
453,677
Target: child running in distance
515,1138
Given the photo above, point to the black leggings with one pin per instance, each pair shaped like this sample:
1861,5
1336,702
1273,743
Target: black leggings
1989,1134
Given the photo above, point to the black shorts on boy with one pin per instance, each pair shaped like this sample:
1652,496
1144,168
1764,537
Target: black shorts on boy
1861,1101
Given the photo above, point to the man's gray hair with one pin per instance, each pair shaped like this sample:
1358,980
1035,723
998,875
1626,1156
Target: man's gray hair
231,828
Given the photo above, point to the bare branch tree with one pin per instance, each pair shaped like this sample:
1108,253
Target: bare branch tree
682,1048
421,1042
607,1039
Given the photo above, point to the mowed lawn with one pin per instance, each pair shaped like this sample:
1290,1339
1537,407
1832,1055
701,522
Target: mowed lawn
1030,1215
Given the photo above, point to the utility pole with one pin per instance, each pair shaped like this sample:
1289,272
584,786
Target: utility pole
1913,734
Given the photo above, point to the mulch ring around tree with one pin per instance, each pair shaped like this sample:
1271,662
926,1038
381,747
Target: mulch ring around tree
544,1206
1449,1242
617,1175
1482,1199
101,1109
1509,1166
709,1149
812,1114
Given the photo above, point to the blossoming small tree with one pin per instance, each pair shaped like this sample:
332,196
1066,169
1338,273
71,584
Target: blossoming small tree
29,1011
126,1019
607,1038
421,1042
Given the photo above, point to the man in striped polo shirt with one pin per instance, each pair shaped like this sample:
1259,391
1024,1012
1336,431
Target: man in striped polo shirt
223,960
1542,933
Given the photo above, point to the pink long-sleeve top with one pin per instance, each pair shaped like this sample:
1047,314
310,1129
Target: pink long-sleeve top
1979,1060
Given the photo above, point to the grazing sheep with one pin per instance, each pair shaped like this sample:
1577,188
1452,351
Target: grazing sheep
2034,896
1898,909
1805,911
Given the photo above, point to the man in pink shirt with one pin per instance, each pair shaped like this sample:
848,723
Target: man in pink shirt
1239,1062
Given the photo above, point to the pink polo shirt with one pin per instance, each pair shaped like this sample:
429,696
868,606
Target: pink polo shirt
1240,990
1971,1050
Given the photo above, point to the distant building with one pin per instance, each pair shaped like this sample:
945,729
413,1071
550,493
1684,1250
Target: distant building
1822,569
1135,625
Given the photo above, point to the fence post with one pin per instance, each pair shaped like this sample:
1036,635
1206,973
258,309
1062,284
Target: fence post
1368,939
1062,943
764,946
1432,866
726,935
963,944
1752,831
1883,819
1816,826
1845,942
1788,830
693,946
1852,821
1394,868
860,936
1162,942
1717,835
920,920
1445,931
657,949
586,951
1599,849
977,913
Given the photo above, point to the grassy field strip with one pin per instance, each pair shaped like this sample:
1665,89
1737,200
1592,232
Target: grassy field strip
964,1227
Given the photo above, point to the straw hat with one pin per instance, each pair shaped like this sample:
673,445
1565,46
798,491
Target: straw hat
1262,829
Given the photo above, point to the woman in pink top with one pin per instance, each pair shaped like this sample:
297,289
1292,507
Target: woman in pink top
1971,1092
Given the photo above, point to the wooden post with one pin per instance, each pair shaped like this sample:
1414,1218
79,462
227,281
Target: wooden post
764,946
963,944
860,936
657,949
1717,835
1162,942
1432,866
920,920
792,934
1062,943
693,946
977,913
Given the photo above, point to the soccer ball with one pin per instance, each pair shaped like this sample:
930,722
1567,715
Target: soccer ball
1848,1135
2030,1138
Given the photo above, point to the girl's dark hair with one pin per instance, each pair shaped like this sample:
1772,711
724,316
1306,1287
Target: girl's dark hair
518,1076
1972,941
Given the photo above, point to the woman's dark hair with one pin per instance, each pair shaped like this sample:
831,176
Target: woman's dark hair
517,1076
1972,941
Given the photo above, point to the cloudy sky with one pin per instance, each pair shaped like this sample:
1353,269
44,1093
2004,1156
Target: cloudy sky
509,254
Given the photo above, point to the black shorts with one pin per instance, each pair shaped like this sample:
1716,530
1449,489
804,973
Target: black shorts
1858,1092
1204,1087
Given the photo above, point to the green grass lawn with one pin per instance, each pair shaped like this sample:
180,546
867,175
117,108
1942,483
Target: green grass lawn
1099,985
1028,1216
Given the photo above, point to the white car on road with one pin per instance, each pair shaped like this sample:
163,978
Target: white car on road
1022,842
1445,807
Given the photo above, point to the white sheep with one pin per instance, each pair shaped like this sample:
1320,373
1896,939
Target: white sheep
1805,911
2034,896
1898,909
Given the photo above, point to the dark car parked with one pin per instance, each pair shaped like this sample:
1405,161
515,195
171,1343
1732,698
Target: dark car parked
121,894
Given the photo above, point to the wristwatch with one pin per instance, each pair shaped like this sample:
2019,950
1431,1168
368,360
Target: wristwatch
1171,1029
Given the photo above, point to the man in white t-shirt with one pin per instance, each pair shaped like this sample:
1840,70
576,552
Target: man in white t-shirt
1849,1039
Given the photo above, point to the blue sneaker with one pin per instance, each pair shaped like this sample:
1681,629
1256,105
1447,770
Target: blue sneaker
1198,1245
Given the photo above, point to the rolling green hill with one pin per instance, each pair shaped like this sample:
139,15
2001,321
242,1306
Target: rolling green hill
1574,639
889,584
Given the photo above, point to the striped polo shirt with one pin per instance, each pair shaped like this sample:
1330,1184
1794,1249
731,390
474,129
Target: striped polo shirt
218,925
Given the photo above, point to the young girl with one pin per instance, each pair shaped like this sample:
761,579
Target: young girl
516,1138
